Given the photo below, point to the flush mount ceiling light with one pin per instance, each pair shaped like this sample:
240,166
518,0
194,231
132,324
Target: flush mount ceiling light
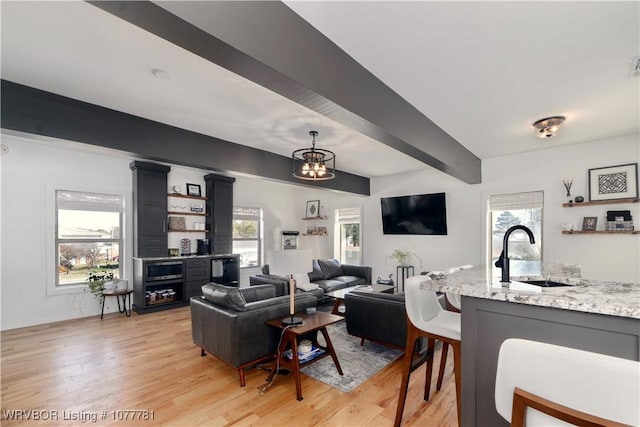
314,164
546,128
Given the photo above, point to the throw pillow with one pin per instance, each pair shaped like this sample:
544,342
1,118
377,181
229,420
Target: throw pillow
317,273
307,286
225,296
330,267
302,282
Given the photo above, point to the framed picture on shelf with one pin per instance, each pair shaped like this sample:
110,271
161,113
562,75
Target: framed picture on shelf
313,209
589,223
193,190
613,182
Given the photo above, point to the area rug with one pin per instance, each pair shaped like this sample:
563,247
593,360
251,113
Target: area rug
358,362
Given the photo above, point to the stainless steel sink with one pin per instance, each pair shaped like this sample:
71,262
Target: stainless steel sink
545,283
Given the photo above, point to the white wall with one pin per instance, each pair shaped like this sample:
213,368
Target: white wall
460,246
602,256
33,169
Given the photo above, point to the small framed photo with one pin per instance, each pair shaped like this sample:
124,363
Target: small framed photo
613,182
589,223
193,190
313,209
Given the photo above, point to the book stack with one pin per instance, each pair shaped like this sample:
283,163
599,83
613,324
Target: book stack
304,357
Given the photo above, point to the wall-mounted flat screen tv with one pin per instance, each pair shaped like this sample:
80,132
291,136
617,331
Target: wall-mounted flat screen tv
418,214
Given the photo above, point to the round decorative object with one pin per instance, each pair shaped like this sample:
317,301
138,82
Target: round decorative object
304,346
177,189
579,199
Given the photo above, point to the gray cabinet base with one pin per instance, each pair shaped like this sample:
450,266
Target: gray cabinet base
487,323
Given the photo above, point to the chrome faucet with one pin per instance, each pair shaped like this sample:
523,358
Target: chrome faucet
503,260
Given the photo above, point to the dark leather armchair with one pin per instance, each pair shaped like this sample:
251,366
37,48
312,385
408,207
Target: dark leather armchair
231,326
379,317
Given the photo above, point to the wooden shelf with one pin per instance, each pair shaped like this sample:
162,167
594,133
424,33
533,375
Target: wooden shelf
187,213
184,196
602,202
315,218
602,232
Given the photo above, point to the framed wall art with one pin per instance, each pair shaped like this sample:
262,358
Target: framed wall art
613,182
193,190
589,223
313,209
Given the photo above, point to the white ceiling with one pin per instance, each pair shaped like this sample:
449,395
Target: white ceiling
482,71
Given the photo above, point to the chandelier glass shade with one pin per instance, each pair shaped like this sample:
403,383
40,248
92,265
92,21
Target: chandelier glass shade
313,164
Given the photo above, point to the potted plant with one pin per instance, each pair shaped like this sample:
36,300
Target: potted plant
97,279
402,257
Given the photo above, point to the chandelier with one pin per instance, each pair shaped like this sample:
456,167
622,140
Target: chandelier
314,164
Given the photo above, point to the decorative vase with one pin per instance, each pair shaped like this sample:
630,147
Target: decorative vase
122,285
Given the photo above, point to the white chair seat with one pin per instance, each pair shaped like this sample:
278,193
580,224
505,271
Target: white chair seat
593,383
445,324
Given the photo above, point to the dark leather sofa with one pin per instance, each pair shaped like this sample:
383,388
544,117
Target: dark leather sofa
229,323
379,317
329,274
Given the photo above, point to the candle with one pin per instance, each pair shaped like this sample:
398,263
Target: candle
292,290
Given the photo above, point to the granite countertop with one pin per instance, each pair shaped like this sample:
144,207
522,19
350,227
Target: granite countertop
610,298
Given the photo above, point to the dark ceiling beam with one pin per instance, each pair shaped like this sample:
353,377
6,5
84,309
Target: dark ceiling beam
34,111
269,44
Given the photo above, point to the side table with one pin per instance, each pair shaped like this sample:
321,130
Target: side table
124,294
403,272
309,329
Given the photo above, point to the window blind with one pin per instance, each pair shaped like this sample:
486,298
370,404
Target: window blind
505,202
81,201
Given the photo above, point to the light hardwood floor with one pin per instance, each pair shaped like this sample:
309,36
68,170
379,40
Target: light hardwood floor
90,367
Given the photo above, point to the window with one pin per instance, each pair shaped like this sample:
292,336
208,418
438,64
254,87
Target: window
88,235
247,235
348,236
506,210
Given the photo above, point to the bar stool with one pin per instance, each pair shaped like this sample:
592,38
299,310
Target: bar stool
561,383
427,318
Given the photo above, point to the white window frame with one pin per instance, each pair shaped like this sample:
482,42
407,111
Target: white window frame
52,287
341,218
514,201
260,239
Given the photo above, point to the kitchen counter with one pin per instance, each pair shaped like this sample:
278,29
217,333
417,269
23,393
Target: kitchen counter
183,257
590,296
596,316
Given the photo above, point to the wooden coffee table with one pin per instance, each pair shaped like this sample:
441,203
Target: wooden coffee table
340,294
309,329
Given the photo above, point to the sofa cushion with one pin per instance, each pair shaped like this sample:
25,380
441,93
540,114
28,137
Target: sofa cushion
351,280
330,267
224,296
258,292
301,279
317,273
330,285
